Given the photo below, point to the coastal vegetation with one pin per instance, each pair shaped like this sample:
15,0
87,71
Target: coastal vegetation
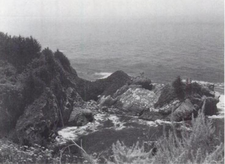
40,94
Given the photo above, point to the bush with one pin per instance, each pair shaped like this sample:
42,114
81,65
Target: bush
11,153
196,145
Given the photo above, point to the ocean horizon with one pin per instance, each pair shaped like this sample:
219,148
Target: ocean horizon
162,51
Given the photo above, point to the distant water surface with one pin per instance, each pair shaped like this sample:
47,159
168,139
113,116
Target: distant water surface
161,50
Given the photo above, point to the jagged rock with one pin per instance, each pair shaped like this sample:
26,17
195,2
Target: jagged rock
151,115
80,117
114,82
38,120
209,107
144,82
195,88
135,100
184,111
91,90
169,108
167,95
91,105
107,101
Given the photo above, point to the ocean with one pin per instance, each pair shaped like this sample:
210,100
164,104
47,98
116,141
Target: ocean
161,50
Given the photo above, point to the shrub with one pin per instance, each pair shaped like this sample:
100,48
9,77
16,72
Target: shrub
198,145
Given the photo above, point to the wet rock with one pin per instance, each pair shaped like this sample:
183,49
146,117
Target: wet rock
80,117
209,107
151,115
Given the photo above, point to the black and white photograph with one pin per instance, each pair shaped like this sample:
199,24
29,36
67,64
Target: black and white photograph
112,82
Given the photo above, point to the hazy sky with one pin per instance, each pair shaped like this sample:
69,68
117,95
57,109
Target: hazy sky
102,10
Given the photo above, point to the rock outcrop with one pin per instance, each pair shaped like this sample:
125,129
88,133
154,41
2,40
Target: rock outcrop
50,94
130,99
167,95
209,105
45,93
196,97
184,111
92,90
80,117
143,81
40,99
135,101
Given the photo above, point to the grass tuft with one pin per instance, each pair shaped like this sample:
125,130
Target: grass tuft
196,146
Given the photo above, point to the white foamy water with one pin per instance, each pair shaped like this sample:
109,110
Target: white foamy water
73,133
102,75
220,107
220,104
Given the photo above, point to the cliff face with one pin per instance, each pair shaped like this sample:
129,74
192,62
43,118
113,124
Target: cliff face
39,96
40,99
91,90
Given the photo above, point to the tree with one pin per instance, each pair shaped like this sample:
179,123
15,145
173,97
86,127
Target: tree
19,51
179,88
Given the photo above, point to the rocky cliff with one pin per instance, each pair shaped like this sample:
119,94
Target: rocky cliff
45,93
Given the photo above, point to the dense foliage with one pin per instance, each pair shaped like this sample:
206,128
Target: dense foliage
18,51
179,88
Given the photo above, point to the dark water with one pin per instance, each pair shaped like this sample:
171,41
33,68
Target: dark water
161,50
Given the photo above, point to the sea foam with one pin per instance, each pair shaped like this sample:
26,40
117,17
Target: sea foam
102,75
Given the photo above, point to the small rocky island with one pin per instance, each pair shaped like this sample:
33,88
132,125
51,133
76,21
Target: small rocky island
42,96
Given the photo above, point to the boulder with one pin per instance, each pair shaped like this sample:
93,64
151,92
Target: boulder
144,82
107,101
209,106
135,100
80,117
184,111
167,95
196,88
